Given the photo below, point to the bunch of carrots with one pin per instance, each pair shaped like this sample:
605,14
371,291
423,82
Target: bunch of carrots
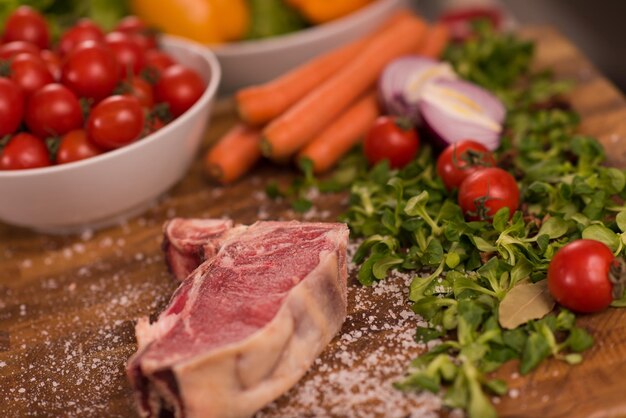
323,108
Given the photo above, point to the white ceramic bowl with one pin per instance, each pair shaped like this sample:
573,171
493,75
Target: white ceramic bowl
252,62
102,190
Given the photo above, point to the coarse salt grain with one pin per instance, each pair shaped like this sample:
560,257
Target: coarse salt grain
86,234
354,375
78,248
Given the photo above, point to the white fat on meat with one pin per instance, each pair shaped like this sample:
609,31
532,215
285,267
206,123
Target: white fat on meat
246,324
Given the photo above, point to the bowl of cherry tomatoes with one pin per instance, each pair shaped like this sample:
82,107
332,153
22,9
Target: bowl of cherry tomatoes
95,128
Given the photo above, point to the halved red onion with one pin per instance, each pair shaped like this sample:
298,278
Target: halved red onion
402,82
454,110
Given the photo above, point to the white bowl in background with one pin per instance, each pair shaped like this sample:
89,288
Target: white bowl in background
105,189
246,63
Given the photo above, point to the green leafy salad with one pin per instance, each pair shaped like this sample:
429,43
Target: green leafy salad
481,285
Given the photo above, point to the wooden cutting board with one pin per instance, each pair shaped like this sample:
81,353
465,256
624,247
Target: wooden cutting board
68,304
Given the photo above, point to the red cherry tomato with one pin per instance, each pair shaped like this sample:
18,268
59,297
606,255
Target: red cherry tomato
84,30
128,53
141,89
27,24
91,71
115,122
392,139
24,151
75,146
130,24
146,40
11,49
179,87
461,159
578,276
30,72
11,106
53,110
459,20
158,60
53,62
486,191
135,27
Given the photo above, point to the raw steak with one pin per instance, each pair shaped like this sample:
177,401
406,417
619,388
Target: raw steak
246,324
188,242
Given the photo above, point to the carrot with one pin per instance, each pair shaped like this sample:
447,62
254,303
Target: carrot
342,134
435,41
260,104
293,129
234,154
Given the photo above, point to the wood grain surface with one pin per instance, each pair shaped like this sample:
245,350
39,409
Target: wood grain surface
68,303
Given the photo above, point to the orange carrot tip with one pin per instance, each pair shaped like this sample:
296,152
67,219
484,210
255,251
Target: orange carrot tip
234,154
260,104
296,127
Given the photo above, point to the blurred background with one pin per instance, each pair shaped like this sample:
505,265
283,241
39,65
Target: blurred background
595,27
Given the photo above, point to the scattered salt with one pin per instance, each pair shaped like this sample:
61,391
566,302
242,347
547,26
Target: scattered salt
78,248
354,375
106,242
86,235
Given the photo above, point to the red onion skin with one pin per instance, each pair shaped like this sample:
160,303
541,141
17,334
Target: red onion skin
392,82
443,129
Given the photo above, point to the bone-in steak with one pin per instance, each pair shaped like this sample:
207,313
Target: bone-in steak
246,324
188,242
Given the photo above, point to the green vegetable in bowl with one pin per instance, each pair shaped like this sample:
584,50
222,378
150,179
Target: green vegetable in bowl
64,13
272,17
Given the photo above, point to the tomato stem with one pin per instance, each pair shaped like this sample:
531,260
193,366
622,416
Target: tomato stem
4,140
472,158
52,143
5,68
161,111
151,75
482,210
617,276
403,123
85,107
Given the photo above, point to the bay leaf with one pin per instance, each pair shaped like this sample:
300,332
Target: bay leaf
524,302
